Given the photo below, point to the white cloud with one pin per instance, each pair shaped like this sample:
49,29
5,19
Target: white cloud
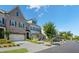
40,15
36,7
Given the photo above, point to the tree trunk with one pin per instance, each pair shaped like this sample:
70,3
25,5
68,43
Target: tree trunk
7,37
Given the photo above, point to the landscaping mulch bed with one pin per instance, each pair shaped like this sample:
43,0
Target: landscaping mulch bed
8,45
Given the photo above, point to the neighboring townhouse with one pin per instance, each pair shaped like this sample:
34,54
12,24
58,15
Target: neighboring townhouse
34,29
15,23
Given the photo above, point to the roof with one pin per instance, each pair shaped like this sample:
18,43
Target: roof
3,11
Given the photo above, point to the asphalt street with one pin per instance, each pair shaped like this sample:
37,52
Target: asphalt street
67,47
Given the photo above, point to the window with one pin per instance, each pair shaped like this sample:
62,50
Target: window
21,25
2,21
17,14
13,23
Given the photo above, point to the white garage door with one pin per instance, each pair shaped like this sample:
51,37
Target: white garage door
16,37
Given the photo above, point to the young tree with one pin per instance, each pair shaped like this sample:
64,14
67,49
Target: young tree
70,35
50,31
7,33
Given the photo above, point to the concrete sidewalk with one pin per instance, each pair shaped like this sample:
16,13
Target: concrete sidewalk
32,47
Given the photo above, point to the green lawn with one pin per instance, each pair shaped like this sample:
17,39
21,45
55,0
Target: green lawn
22,50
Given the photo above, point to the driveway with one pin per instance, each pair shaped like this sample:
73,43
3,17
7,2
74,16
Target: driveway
67,47
32,47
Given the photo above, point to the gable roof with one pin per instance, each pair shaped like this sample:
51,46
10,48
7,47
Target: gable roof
3,11
17,8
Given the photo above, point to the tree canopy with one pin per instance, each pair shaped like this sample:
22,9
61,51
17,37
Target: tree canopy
49,30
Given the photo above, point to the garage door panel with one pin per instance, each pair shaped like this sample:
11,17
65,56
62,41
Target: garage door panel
16,37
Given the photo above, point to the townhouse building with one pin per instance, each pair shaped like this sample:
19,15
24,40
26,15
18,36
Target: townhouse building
15,22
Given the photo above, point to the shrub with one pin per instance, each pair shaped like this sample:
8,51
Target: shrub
46,40
18,44
14,45
34,41
10,45
4,41
30,38
0,46
8,41
5,45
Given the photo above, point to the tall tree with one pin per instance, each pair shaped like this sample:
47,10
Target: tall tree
50,30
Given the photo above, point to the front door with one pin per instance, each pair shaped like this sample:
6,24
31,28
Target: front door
1,34
27,35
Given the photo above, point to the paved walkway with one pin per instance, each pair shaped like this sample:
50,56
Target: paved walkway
32,47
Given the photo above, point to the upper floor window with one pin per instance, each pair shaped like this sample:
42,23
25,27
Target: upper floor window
2,21
21,25
17,13
13,23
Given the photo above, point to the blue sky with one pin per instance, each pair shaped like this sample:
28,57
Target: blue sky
66,18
